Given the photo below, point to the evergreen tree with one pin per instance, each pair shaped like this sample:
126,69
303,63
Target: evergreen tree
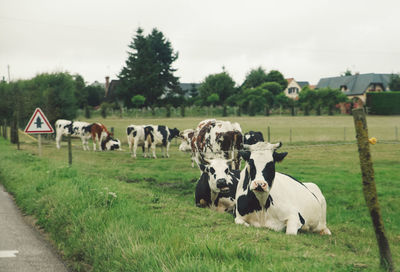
148,70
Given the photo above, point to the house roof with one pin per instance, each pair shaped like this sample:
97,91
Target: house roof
303,83
356,84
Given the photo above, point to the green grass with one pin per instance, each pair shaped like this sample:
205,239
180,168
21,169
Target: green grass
153,225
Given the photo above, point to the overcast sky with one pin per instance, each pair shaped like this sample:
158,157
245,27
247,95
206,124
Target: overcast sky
306,40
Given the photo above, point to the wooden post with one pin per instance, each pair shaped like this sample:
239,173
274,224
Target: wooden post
344,134
369,187
40,144
396,133
269,135
290,136
69,150
5,129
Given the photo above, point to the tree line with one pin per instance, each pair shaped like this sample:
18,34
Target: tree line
147,80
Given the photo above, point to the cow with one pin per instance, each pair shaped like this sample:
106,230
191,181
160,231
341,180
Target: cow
77,129
161,135
138,135
216,187
109,143
149,136
214,138
84,130
186,137
265,198
252,137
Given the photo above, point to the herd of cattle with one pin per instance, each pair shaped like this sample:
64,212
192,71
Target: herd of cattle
257,195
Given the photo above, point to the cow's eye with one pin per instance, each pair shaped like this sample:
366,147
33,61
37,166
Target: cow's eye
215,176
226,171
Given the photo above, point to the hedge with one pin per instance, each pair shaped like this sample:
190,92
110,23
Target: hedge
387,103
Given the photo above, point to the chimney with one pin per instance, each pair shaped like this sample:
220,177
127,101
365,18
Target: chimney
107,85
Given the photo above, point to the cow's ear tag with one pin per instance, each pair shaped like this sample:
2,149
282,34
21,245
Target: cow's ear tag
278,157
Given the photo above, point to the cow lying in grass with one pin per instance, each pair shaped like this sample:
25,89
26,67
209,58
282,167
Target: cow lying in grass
265,198
216,187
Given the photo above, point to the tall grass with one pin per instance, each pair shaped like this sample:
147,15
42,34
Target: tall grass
109,212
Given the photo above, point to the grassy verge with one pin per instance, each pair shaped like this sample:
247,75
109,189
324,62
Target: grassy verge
109,212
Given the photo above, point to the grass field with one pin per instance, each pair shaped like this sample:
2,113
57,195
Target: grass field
109,212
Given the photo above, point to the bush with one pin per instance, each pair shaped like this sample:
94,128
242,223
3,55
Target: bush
386,103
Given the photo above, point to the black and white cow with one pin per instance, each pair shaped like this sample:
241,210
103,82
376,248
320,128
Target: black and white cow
252,137
265,198
109,143
149,136
138,135
77,128
216,187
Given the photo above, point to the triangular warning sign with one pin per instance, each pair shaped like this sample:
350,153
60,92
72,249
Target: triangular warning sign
38,123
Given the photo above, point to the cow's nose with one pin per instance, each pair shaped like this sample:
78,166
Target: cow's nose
221,183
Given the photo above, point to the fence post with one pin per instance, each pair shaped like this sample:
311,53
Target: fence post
396,132
269,135
5,129
69,150
344,134
290,137
369,188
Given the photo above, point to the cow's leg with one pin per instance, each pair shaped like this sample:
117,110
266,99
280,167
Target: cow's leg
293,224
94,140
58,140
168,143
145,148
240,221
135,144
153,149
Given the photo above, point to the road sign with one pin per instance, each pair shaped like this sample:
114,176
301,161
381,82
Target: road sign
38,123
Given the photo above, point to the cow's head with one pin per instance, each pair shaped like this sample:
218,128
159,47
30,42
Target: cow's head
110,143
186,137
173,133
260,165
218,172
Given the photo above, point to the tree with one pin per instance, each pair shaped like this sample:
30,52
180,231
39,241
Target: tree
347,73
138,100
307,98
329,98
255,78
148,70
221,84
256,100
274,87
80,93
394,84
276,76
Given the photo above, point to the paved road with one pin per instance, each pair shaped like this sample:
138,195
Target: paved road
22,248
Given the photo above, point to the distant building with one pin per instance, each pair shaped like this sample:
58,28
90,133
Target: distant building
294,88
356,86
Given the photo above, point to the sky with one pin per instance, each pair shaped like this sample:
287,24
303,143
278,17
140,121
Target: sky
304,39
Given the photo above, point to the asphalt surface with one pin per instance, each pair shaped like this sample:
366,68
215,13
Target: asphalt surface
23,248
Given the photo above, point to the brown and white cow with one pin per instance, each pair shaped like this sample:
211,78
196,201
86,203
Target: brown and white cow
213,139
84,130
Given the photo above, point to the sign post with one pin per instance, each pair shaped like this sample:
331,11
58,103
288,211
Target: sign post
38,124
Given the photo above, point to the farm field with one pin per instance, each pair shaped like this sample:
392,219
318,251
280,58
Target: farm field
110,212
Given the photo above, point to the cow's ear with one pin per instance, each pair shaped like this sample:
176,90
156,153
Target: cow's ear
278,157
203,167
245,154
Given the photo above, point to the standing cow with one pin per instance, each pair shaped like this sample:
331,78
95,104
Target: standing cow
84,130
149,136
138,135
214,139
77,129
265,198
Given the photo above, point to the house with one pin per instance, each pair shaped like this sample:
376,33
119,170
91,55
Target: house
294,87
356,86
